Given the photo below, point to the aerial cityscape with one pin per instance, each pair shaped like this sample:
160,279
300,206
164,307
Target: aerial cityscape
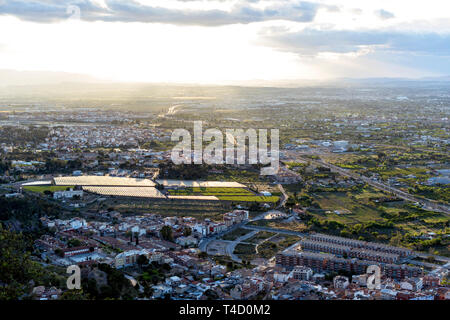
131,176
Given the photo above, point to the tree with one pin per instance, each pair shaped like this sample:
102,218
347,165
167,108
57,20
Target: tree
74,242
16,267
74,295
142,260
59,252
166,233
187,231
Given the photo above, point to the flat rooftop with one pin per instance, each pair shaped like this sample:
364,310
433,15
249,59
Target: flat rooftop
102,181
199,184
138,192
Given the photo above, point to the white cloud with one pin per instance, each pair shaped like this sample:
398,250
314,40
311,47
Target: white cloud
384,15
133,11
202,40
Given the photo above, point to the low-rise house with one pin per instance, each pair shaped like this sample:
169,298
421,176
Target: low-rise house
129,258
161,290
340,282
302,273
412,284
67,194
187,241
70,252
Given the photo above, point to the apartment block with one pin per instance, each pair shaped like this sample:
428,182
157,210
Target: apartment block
325,262
402,252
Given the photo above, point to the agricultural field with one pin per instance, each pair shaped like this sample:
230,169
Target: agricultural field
196,191
42,189
225,194
262,199
242,176
344,208
192,208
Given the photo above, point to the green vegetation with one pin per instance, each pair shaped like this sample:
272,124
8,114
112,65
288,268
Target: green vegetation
197,209
271,199
269,249
249,251
152,274
397,223
260,236
440,193
296,165
210,192
229,263
21,136
245,249
43,189
18,272
369,214
210,172
237,233
27,213
116,285
225,194
166,233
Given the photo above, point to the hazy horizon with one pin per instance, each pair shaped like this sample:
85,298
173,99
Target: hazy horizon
17,78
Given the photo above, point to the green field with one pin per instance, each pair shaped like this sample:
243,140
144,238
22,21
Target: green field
197,191
272,199
225,194
42,189
357,209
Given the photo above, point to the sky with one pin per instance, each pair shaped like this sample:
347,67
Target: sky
210,41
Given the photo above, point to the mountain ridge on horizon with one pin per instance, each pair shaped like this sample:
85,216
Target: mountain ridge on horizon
17,78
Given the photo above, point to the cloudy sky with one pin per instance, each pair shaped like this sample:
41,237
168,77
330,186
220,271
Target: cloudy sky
223,40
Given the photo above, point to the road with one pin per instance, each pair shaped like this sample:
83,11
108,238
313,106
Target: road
232,245
284,198
427,255
428,204
282,231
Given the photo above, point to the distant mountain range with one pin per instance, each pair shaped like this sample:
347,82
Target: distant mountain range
38,78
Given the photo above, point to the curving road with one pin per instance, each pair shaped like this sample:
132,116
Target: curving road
232,245
284,197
